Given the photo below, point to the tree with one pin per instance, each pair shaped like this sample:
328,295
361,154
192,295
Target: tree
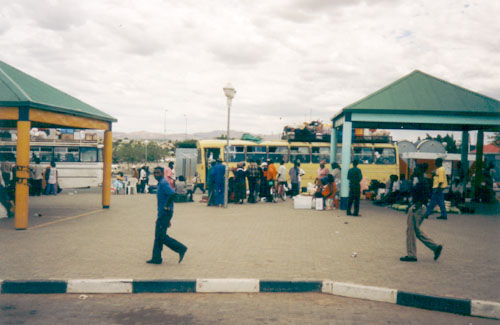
186,144
449,141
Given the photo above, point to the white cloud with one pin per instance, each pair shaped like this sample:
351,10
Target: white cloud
288,60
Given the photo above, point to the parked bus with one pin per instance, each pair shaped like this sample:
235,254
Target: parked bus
377,160
79,162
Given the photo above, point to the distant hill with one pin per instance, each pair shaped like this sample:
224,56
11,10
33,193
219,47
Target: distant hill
145,135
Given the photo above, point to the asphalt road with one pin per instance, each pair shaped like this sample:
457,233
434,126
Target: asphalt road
179,308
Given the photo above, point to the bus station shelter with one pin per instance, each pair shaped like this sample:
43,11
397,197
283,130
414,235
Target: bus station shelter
26,102
418,101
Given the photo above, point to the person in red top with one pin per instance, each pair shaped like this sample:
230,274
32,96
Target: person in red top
272,174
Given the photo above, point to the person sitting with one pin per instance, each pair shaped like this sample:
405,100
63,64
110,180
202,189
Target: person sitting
329,191
392,195
182,193
404,189
456,193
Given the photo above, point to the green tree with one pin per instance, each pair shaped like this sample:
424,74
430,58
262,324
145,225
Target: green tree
449,141
186,144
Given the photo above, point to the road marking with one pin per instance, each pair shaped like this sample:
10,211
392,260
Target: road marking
65,219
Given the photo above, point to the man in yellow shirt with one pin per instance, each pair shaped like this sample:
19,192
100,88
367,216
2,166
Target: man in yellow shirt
439,183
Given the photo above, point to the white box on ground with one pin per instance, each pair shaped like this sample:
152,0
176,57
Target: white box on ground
100,286
319,203
302,202
227,285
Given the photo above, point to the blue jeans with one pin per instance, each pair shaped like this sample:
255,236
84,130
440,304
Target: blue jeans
50,189
219,194
437,198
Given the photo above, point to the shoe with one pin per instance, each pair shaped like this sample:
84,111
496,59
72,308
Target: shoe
408,259
181,255
442,218
153,261
437,252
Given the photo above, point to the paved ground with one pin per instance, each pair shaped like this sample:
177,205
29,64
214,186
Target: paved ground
263,241
263,308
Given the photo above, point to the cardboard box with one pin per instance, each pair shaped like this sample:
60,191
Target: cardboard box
302,202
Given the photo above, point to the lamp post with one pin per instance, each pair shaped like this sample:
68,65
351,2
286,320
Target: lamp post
165,124
229,91
186,130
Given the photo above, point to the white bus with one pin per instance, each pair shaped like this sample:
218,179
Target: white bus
79,162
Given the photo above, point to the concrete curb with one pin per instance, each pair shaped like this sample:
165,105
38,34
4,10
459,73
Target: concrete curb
467,307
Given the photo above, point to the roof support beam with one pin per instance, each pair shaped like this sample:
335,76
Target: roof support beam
71,121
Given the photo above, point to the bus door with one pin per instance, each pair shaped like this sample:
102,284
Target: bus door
211,154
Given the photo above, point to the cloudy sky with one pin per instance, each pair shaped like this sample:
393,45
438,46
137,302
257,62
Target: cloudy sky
288,60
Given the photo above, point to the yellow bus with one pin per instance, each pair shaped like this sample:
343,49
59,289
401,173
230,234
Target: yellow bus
377,160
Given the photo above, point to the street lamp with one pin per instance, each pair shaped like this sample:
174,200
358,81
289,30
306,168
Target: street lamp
186,131
229,91
165,124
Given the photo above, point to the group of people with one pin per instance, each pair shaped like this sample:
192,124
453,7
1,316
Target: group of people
264,176
37,175
261,178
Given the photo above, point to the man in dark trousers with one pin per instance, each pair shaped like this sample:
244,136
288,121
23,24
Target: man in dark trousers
354,176
165,196
419,194
218,175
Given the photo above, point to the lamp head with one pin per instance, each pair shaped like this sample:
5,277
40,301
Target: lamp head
229,91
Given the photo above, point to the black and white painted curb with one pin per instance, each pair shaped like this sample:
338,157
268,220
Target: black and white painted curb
467,307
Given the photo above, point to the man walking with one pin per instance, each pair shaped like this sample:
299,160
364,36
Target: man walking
420,194
354,176
439,183
165,197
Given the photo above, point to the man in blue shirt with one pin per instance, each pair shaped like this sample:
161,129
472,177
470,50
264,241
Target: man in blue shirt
217,177
165,196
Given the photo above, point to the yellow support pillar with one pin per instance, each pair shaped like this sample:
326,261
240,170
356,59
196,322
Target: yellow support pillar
22,174
106,171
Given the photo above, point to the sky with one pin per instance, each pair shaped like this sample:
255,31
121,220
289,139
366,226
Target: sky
161,66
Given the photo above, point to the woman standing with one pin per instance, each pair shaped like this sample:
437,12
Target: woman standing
51,177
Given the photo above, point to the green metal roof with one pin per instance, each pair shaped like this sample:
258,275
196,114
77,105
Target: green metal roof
19,89
424,93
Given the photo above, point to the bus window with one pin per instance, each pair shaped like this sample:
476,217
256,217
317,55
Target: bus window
319,154
46,154
385,156
256,153
66,154
236,153
88,154
363,155
300,154
277,154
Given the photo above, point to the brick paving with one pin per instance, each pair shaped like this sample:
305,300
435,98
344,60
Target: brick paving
263,241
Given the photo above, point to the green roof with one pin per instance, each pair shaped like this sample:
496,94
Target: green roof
421,92
19,89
